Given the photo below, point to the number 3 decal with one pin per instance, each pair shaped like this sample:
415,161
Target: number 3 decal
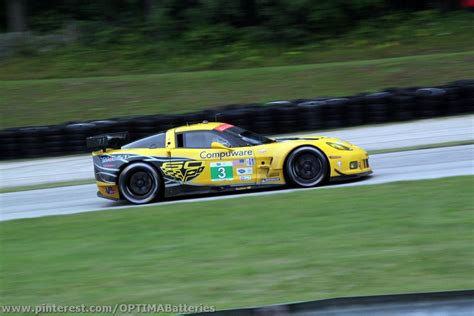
222,174
222,171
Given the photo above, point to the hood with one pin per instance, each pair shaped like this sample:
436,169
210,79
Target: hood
317,140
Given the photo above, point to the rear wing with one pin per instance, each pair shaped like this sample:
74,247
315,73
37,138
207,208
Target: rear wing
112,140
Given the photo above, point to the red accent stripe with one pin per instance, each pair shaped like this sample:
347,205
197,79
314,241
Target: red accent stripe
223,127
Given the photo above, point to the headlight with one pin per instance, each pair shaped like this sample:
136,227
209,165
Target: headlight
339,146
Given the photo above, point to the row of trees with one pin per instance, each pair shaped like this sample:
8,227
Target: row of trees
173,18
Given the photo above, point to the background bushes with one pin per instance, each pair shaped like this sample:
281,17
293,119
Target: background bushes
209,22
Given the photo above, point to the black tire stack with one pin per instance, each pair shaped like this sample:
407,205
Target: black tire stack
390,105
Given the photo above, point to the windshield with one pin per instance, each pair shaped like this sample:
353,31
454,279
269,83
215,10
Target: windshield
254,139
247,137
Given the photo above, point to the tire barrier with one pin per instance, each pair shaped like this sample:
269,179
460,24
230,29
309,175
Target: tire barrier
390,105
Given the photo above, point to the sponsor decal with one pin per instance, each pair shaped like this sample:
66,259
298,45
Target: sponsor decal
240,162
243,171
222,171
183,171
245,178
110,190
107,158
226,154
223,127
270,180
250,162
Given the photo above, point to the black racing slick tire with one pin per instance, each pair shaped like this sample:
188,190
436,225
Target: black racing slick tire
140,183
306,167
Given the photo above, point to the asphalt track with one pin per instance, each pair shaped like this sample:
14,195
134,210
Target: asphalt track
391,167
387,136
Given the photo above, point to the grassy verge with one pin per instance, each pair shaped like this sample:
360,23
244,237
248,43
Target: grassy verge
46,185
391,238
119,51
419,147
60,100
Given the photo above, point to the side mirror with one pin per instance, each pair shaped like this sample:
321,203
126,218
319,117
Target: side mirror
216,145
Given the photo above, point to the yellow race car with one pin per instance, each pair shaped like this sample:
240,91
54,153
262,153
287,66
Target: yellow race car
216,157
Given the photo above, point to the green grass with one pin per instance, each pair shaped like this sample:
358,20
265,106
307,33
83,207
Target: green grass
39,102
134,52
89,82
306,245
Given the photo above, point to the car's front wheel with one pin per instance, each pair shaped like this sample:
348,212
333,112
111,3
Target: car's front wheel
139,183
306,167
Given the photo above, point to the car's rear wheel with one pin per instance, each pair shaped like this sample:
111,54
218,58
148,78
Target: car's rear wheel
139,183
306,167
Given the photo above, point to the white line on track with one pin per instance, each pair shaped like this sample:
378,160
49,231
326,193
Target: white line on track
391,167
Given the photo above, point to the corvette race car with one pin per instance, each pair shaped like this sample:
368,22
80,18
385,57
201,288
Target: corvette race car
214,157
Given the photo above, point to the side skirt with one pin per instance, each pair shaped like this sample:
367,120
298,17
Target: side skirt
186,189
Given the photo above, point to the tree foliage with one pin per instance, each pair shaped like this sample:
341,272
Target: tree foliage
212,22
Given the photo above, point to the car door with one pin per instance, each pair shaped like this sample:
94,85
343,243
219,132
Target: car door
223,163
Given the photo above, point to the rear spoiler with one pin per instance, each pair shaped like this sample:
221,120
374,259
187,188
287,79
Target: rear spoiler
112,140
